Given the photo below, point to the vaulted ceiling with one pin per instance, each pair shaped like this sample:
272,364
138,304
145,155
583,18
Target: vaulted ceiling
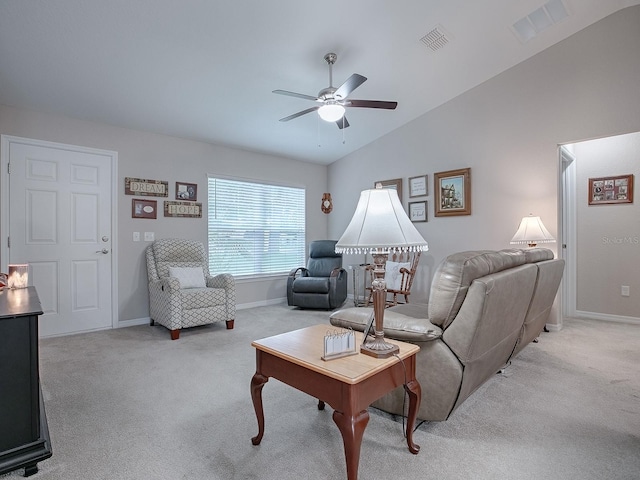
206,69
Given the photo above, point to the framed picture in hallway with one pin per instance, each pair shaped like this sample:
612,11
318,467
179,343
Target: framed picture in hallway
452,190
603,190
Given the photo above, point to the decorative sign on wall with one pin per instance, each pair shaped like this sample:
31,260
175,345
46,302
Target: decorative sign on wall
418,186
182,209
141,187
418,211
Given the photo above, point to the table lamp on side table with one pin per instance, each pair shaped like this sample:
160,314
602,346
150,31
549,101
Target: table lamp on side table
379,226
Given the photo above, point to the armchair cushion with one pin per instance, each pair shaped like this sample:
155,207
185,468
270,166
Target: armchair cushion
311,285
189,277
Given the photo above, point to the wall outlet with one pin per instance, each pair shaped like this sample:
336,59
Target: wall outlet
149,236
624,290
136,236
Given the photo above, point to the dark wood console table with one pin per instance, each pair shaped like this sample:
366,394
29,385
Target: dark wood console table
348,384
24,434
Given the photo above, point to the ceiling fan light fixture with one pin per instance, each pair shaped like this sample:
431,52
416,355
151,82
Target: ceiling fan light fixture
331,112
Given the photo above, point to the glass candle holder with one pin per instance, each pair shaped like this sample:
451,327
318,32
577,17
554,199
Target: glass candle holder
18,276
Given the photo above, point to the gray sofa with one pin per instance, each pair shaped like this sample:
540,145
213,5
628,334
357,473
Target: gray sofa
484,308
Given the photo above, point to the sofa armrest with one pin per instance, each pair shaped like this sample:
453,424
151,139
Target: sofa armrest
396,325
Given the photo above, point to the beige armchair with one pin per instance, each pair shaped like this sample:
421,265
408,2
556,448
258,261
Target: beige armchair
182,293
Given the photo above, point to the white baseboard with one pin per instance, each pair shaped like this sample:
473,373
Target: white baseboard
553,327
133,322
261,303
242,306
607,318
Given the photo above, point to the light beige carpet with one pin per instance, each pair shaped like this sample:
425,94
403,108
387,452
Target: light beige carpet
132,404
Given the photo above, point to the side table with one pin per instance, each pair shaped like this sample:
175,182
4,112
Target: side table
348,384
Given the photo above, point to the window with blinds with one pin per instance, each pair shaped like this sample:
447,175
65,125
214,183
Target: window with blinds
255,228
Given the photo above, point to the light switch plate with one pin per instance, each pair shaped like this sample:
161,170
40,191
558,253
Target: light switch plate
149,236
136,236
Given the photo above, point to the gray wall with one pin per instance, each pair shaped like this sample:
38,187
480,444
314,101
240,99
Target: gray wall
608,236
161,157
508,131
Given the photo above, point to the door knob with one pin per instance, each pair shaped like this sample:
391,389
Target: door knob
104,251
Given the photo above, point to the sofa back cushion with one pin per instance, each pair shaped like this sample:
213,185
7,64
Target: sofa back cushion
455,274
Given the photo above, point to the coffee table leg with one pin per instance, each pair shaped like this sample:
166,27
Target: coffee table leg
415,394
257,382
352,429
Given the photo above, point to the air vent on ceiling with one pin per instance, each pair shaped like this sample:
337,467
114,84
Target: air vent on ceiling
539,20
436,38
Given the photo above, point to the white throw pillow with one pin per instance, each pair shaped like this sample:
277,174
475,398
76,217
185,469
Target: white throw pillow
189,277
392,274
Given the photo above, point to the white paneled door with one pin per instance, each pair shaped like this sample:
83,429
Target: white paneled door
60,223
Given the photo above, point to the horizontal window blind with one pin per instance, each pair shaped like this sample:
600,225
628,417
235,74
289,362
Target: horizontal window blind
255,228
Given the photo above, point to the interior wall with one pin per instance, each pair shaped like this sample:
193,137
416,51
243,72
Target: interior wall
507,130
161,157
608,235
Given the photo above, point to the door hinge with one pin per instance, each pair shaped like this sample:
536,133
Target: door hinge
8,242
9,168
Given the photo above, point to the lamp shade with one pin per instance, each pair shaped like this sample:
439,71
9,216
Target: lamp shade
532,231
380,223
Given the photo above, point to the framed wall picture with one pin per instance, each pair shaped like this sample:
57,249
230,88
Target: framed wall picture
452,192
418,186
418,211
604,190
396,184
144,208
186,191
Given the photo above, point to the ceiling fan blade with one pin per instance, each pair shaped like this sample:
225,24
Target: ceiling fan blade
371,104
294,94
353,82
299,114
342,123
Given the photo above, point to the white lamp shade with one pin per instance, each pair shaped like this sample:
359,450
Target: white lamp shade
532,231
331,112
380,223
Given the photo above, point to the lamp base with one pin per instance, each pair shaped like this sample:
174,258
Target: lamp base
378,348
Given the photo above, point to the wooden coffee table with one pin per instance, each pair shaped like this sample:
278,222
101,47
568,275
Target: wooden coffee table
349,384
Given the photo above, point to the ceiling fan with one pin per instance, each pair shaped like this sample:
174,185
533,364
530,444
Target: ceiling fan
333,101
